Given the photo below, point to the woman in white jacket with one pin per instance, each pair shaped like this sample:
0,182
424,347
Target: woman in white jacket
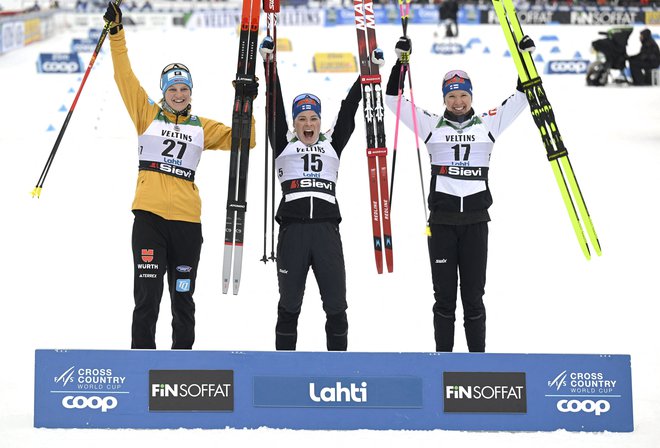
459,143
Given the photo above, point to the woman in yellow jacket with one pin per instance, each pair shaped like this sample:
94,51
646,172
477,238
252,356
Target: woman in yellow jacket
167,231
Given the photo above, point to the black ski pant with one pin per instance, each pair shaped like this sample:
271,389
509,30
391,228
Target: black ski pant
454,250
640,71
162,246
315,244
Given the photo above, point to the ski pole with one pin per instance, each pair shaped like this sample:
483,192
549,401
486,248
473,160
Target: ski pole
405,67
266,145
40,183
404,13
419,157
276,8
271,8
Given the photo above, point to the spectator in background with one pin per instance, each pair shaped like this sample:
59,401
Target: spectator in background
648,58
449,17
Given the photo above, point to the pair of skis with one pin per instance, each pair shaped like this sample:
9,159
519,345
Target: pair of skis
374,114
544,118
240,147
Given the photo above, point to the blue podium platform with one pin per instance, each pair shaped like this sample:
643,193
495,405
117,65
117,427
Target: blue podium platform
343,391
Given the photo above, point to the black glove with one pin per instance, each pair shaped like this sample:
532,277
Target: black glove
403,48
113,16
526,44
250,88
519,86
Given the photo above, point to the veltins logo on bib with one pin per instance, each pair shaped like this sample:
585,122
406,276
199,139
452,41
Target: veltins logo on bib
191,390
485,392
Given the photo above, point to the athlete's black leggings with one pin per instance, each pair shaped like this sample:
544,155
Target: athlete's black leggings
161,246
455,250
315,244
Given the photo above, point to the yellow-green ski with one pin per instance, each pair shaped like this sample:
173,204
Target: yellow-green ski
544,118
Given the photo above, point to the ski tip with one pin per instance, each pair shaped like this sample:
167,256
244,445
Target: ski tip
595,242
596,248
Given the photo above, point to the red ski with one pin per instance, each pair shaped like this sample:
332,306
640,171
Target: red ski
372,101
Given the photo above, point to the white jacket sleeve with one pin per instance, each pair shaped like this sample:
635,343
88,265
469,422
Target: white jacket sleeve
501,117
426,121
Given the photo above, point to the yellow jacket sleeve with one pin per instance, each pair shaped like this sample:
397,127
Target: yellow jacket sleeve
218,135
141,110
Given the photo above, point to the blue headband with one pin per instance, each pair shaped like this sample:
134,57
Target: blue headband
177,75
306,101
456,83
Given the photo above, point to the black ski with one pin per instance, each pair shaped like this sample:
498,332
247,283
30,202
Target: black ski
240,147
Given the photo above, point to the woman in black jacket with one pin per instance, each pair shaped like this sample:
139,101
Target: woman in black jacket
307,164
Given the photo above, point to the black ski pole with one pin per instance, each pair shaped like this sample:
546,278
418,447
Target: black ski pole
276,8
40,183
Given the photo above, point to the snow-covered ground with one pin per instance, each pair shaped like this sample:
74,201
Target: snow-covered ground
67,260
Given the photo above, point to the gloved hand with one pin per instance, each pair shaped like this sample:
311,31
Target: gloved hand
377,57
113,16
403,49
250,88
526,44
266,47
519,86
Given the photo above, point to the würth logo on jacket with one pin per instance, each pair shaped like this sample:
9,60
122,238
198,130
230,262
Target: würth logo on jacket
147,255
